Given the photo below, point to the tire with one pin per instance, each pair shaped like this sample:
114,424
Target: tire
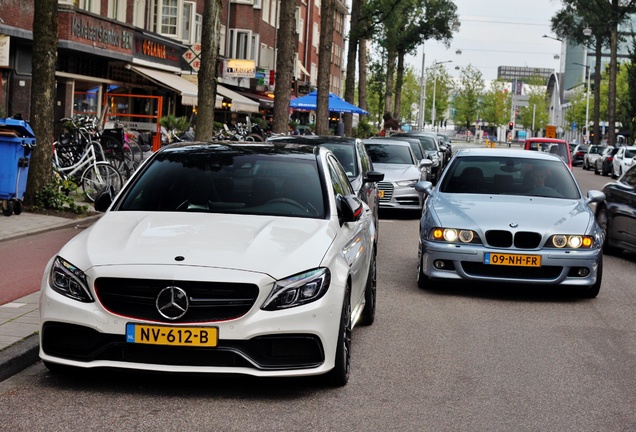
57,368
17,207
596,169
7,208
586,165
614,176
339,375
593,291
99,175
603,173
370,294
423,281
603,220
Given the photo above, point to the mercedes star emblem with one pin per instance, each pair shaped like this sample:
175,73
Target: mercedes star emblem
172,303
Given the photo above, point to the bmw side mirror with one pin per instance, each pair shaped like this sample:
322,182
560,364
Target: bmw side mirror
104,198
594,196
425,163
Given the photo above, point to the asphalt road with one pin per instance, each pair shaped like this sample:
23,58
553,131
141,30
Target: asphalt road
464,358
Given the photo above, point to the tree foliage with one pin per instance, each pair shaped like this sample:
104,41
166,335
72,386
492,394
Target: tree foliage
467,102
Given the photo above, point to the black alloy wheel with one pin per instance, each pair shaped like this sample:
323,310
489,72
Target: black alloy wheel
370,294
603,220
339,375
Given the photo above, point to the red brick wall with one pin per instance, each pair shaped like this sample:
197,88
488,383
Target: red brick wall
17,13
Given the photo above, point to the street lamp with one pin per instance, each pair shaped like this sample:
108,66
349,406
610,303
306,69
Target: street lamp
433,110
550,37
587,102
420,114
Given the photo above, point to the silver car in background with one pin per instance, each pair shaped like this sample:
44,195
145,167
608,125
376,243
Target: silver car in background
401,171
501,215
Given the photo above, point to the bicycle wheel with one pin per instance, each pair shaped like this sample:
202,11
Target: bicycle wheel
99,175
133,152
116,156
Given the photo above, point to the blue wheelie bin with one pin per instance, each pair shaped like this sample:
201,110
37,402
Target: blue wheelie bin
16,145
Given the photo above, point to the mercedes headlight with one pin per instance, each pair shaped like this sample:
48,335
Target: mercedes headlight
69,281
298,290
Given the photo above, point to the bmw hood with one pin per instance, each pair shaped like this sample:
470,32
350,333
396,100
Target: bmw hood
278,246
490,212
397,172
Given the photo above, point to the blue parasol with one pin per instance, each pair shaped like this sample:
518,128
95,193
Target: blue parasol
336,104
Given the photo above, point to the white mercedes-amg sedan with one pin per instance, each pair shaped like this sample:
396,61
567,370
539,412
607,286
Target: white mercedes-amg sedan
249,258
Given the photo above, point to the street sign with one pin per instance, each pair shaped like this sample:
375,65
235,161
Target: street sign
520,100
193,56
550,131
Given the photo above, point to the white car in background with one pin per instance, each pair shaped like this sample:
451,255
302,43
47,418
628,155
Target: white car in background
623,159
401,171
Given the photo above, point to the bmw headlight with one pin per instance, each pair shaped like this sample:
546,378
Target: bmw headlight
454,235
298,289
406,183
570,241
69,281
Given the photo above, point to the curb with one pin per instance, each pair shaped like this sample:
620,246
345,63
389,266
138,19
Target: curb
19,356
88,220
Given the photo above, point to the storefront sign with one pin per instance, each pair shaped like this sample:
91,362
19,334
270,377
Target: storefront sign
99,33
158,51
240,68
4,50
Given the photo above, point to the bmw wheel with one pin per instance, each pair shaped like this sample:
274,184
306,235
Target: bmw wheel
424,281
602,218
370,294
339,375
593,291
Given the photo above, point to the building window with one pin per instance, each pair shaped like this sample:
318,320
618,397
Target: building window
117,10
222,41
90,5
242,44
198,27
187,20
265,11
315,36
139,13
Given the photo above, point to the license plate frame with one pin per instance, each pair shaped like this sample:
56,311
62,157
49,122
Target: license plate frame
512,260
166,335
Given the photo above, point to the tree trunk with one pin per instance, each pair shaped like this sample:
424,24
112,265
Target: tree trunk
363,64
611,106
42,116
399,79
204,130
284,65
324,66
596,117
350,79
390,76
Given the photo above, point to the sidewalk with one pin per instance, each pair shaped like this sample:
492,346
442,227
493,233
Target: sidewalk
19,319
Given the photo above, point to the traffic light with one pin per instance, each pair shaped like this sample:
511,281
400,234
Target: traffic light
511,125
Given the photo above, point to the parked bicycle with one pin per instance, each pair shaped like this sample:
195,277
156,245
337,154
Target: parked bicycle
89,172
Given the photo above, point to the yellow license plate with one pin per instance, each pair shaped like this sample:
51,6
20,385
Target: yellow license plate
512,260
171,335
381,194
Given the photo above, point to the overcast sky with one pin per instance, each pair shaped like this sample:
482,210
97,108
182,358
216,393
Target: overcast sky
497,33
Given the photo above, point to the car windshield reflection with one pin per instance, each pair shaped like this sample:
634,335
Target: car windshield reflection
230,181
509,176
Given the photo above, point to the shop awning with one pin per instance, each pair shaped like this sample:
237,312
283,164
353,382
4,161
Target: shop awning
239,102
302,68
188,90
263,100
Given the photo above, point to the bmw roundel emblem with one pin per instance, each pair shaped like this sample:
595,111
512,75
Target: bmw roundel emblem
514,225
172,303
